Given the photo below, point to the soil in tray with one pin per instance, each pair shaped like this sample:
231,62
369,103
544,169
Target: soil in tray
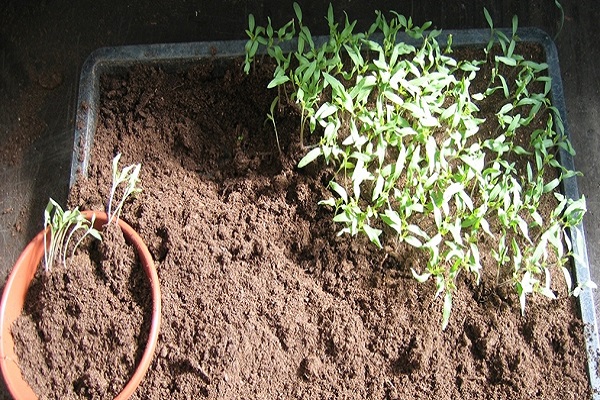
261,298
85,325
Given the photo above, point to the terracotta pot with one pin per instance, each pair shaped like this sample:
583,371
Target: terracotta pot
15,291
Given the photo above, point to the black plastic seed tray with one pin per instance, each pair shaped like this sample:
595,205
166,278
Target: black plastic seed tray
177,55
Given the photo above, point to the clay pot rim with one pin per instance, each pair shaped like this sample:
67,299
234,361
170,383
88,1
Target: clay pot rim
15,291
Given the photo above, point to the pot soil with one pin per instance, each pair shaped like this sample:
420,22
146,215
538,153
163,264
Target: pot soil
88,328
262,299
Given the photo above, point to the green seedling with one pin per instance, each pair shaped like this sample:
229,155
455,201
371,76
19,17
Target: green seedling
271,117
562,18
400,124
130,176
62,226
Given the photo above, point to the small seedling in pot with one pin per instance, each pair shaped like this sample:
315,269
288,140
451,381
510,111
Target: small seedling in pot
63,225
130,176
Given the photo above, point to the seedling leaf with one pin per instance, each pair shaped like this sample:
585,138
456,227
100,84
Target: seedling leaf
310,157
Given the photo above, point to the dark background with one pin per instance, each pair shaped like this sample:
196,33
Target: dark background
44,43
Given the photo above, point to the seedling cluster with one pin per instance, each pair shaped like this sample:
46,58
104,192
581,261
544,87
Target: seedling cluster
130,176
401,125
62,225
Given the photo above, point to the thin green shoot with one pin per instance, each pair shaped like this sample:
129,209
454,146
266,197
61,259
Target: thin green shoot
271,117
130,176
562,18
62,225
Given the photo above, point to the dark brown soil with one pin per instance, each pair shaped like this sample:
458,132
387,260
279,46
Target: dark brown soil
85,325
261,299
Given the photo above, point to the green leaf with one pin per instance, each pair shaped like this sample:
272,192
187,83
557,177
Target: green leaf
421,278
577,206
449,112
278,80
373,235
524,287
451,190
354,55
523,227
413,241
298,11
378,188
339,190
511,49
359,175
330,18
95,234
392,219
550,186
336,85
434,241
342,218
430,151
478,96
546,291
115,167
488,18
504,86
328,202
325,111
393,97
505,109
310,157
521,151
251,22
414,109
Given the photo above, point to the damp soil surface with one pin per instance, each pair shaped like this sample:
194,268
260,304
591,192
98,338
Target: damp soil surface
85,323
262,299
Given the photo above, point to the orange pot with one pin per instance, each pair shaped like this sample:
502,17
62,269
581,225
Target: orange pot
15,291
